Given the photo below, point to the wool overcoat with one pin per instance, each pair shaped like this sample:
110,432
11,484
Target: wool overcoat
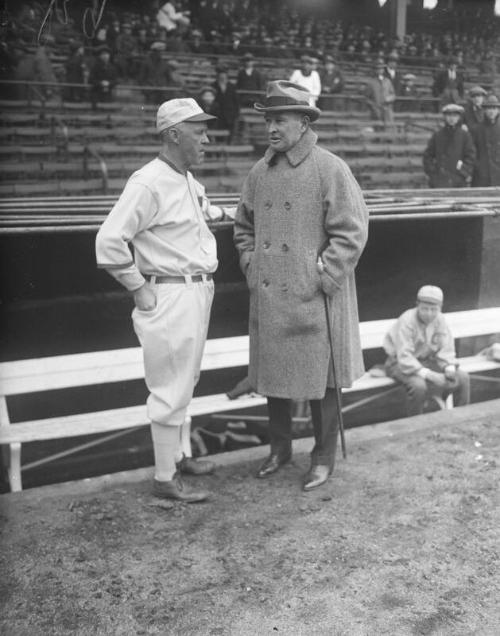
446,147
487,168
293,207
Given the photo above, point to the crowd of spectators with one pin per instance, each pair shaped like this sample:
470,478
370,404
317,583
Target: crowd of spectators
141,48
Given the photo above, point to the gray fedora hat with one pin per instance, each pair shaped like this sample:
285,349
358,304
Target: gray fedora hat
282,95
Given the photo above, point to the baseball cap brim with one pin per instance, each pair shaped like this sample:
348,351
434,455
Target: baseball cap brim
200,117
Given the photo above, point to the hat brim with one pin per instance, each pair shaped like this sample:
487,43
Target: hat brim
312,112
200,117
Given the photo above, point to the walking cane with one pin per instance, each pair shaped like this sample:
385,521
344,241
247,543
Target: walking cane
328,313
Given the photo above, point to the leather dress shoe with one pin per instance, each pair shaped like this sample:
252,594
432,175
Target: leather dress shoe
175,489
272,464
191,466
316,476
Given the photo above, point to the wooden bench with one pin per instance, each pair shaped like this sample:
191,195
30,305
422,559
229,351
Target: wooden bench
122,365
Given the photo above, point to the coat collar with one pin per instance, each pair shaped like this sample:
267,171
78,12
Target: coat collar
299,152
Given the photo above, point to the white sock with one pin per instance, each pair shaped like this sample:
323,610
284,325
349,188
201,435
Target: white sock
186,437
166,447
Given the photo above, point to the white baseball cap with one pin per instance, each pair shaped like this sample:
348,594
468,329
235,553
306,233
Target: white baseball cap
430,294
177,110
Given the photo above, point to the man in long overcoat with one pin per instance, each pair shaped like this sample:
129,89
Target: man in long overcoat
487,140
450,154
300,228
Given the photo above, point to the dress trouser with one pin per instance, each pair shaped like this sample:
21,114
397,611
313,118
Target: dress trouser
325,426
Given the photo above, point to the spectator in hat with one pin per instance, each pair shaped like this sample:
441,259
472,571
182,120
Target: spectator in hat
249,79
473,109
196,45
308,78
208,103
103,77
421,354
449,84
227,101
380,95
391,71
76,72
126,52
450,153
155,73
163,213
409,98
486,137
300,228
43,70
332,83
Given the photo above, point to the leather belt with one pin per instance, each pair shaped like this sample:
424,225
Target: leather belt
179,280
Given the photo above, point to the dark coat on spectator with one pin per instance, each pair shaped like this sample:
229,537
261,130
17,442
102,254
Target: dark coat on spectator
249,82
102,71
228,106
473,117
487,140
446,147
155,71
446,88
396,80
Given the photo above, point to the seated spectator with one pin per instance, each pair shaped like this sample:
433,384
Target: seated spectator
77,72
155,72
227,101
421,354
450,154
103,77
42,67
473,110
125,52
487,140
195,44
207,102
332,83
308,78
409,99
177,78
449,84
143,41
176,42
380,95
249,79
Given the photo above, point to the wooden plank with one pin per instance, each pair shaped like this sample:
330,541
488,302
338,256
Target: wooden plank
114,419
100,367
43,374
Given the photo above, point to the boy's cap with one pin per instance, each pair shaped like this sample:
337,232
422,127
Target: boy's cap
176,111
430,294
452,108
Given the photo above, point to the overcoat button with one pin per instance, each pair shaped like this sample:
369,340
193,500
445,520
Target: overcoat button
284,247
287,205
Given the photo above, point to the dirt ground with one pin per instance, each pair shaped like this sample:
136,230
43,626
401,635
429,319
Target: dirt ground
404,539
